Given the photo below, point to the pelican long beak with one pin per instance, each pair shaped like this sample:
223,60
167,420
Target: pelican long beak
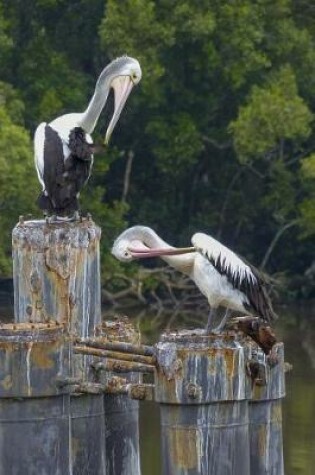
145,253
122,86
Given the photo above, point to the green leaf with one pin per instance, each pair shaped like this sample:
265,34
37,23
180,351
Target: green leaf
273,113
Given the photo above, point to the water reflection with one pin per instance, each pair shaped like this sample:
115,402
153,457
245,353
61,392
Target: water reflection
297,329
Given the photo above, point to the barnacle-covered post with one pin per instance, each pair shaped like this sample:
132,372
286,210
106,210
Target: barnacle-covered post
56,269
265,412
202,391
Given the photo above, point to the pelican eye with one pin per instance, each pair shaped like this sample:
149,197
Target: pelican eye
126,254
134,76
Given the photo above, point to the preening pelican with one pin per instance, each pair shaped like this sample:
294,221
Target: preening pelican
64,147
223,277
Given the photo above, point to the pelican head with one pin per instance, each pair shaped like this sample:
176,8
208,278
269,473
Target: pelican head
129,242
140,242
123,73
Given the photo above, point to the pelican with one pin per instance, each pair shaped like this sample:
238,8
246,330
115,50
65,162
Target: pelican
223,277
64,147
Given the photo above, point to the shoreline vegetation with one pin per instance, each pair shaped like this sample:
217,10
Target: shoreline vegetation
219,136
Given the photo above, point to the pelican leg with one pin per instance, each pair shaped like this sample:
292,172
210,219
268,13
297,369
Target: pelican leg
211,316
217,330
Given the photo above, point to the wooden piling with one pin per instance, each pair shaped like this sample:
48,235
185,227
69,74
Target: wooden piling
121,412
265,411
34,411
56,269
202,391
88,434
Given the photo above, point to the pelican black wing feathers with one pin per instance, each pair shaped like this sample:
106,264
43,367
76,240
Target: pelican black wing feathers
255,290
64,179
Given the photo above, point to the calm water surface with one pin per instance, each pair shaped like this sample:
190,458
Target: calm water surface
296,328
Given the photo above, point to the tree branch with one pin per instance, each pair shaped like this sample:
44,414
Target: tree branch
130,157
227,199
216,144
274,241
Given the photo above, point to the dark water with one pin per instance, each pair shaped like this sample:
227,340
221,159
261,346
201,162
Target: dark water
296,328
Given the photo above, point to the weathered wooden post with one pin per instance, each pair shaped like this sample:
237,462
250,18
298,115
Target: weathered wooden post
34,410
265,414
121,412
57,279
56,269
202,391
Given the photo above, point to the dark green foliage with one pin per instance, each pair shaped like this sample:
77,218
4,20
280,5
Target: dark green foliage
17,178
221,126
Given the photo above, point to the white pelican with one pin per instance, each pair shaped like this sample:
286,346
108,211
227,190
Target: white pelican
223,277
64,147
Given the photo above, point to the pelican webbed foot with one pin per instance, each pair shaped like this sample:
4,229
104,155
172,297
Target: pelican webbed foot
55,219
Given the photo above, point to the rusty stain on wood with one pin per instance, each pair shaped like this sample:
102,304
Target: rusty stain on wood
120,366
140,392
15,328
6,382
103,343
58,260
32,355
86,350
262,441
229,357
42,356
184,447
118,330
276,415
